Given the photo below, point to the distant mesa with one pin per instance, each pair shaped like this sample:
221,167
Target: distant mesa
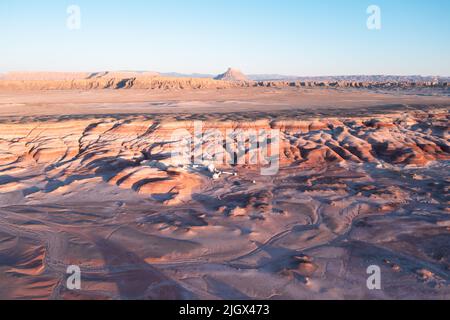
232,75
70,76
123,74
44,76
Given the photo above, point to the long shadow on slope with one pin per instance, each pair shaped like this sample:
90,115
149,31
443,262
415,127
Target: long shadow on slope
5,179
106,168
136,279
109,167
224,290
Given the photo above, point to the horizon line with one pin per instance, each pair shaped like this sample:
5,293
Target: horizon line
215,74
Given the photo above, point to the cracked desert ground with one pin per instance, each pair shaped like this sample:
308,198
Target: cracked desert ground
86,179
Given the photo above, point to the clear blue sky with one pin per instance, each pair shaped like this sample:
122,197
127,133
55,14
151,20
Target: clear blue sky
298,37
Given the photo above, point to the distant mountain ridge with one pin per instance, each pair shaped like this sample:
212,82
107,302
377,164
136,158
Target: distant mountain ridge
353,78
61,76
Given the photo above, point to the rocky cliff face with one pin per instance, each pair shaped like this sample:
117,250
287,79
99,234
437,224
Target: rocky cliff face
168,83
111,82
